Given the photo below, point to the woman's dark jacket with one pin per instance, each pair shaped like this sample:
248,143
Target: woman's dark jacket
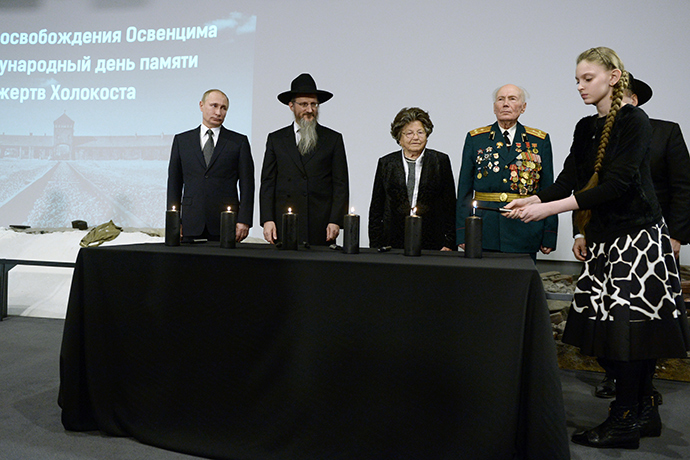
435,202
624,201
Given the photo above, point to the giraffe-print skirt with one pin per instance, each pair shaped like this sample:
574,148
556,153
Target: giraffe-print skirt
628,303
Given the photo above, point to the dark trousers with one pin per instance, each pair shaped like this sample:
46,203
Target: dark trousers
633,378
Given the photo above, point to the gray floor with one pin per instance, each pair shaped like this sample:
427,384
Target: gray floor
30,425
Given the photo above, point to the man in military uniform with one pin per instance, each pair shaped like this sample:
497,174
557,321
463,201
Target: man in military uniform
500,163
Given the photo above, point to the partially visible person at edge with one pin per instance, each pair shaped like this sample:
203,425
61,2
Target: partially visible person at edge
670,167
628,306
500,163
414,177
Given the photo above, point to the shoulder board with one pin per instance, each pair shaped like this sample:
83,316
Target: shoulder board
482,130
535,132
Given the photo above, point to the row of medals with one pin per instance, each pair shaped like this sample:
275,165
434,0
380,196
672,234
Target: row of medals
524,173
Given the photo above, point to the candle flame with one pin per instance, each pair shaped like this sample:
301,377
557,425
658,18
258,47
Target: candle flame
413,211
289,210
474,204
173,208
352,210
229,208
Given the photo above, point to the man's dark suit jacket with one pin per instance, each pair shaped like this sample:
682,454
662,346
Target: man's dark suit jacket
670,166
435,202
315,185
204,192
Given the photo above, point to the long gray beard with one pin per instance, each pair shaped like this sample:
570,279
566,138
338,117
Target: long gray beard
308,136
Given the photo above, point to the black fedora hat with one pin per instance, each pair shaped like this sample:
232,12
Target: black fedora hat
641,89
304,84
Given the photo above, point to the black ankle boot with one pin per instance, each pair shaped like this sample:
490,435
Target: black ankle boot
619,430
648,417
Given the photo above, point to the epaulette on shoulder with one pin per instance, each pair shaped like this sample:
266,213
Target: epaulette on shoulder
482,130
535,132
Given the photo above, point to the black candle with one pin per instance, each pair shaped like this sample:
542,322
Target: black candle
290,231
172,227
228,223
413,235
473,237
351,236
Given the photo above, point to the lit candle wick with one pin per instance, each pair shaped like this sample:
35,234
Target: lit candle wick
289,210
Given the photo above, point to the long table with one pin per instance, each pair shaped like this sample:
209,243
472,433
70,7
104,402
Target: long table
257,353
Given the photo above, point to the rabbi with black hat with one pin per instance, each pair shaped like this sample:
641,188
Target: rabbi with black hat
304,169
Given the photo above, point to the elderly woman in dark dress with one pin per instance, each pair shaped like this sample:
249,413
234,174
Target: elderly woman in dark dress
413,179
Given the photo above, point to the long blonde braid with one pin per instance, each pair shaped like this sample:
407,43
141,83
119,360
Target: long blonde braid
610,61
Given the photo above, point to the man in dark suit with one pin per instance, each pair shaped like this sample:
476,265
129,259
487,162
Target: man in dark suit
670,167
206,165
502,162
304,169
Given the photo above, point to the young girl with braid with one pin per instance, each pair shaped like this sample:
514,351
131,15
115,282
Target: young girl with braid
628,305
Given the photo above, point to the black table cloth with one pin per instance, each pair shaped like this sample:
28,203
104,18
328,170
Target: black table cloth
256,353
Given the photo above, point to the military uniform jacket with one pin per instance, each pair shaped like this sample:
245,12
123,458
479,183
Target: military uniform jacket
315,186
488,166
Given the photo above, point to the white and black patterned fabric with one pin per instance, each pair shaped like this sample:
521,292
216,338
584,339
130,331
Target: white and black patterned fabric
628,303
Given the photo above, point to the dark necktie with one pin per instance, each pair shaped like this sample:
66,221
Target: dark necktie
506,137
411,165
208,147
